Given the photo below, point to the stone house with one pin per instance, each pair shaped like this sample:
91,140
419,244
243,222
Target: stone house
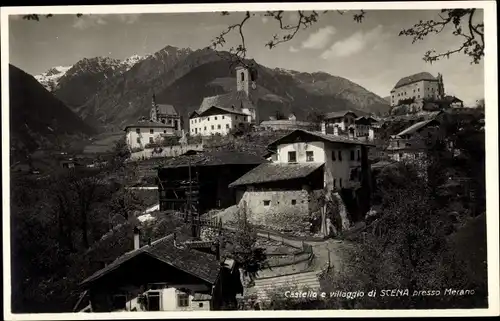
304,166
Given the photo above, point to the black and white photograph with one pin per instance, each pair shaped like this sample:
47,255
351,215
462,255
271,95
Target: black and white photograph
241,159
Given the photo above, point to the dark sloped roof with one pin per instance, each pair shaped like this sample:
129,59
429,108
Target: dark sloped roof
416,127
337,114
196,263
273,172
166,109
322,137
414,78
236,99
214,158
148,124
221,110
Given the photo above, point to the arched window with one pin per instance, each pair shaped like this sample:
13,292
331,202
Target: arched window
242,76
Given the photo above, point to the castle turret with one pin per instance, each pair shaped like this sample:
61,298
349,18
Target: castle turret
154,110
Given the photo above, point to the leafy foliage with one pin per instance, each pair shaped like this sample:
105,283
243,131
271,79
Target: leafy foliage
56,222
464,26
249,257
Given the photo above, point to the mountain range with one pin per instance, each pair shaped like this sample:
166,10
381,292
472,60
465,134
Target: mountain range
108,93
38,119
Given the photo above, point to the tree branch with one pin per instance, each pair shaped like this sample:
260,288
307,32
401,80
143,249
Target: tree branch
470,46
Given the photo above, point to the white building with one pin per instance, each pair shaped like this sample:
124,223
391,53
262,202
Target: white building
417,87
142,133
217,120
303,165
219,114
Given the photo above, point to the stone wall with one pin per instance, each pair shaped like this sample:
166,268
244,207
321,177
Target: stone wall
166,151
287,210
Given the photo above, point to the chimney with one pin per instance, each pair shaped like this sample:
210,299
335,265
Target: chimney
136,238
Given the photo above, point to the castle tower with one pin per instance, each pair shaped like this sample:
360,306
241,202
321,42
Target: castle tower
440,86
242,79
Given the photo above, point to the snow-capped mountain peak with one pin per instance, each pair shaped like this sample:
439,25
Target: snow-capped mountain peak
132,60
50,78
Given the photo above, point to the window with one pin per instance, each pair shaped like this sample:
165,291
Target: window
400,155
213,127
215,117
138,140
222,117
165,131
267,202
340,155
208,118
182,300
334,182
196,130
151,140
418,96
119,302
200,305
292,157
205,128
227,126
340,182
236,117
138,130
359,155
294,202
309,156
242,76
397,143
192,130
333,155
418,89
352,155
218,126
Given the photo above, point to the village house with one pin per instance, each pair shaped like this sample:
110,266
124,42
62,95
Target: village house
169,274
411,143
417,87
338,119
305,165
164,121
209,172
347,123
219,114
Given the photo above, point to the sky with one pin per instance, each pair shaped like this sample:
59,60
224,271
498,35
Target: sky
371,53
